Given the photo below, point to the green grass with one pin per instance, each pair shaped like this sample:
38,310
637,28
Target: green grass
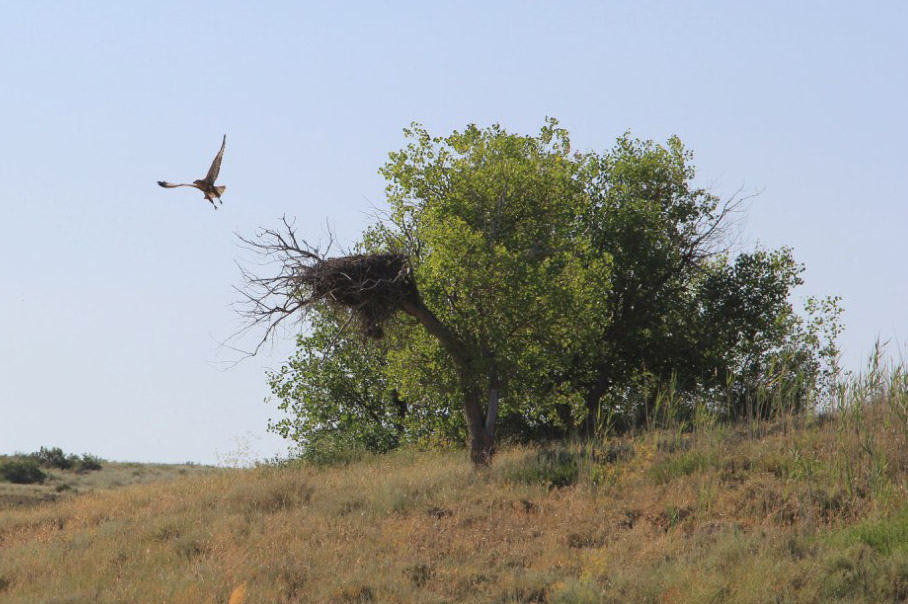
886,536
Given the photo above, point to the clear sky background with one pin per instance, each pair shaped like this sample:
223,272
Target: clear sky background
115,294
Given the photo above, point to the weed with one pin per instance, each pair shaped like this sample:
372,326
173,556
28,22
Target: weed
883,536
439,513
333,449
671,517
576,591
582,540
361,594
191,546
287,575
268,496
554,468
420,574
677,466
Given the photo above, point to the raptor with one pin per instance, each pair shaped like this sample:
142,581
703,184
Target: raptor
206,185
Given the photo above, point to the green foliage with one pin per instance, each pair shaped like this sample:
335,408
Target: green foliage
580,287
22,471
491,222
55,458
336,389
89,463
754,342
682,314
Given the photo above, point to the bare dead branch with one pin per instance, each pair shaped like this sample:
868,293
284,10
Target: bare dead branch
292,276
269,297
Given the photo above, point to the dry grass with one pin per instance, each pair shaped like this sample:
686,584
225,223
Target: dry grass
792,512
62,484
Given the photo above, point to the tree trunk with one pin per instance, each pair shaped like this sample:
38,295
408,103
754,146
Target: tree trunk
492,411
482,439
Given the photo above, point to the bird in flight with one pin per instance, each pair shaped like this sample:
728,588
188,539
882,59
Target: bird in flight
206,185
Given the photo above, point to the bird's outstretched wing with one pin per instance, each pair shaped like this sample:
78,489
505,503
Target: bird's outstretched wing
215,168
170,185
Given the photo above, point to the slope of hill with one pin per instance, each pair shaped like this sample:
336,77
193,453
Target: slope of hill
63,484
788,512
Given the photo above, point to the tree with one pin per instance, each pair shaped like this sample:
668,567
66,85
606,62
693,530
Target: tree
482,250
752,338
491,225
661,232
515,278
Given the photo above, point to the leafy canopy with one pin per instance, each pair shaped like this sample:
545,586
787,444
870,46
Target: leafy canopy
561,281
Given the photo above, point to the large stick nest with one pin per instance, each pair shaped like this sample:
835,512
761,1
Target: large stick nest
371,286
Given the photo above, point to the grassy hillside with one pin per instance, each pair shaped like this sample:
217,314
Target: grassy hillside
793,511
63,484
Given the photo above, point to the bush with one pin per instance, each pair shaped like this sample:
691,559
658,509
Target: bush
552,467
678,465
88,463
54,458
22,471
333,449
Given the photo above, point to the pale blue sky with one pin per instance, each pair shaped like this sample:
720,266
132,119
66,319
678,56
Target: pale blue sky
115,293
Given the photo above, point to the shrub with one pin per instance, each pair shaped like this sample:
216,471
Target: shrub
552,467
333,449
54,458
22,471
678,465
88,463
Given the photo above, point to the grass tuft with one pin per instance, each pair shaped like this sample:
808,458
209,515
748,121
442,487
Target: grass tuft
552,467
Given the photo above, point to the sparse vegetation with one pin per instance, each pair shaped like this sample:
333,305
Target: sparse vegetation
21,471
55,458
552,467
57,485
27,468
802,508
